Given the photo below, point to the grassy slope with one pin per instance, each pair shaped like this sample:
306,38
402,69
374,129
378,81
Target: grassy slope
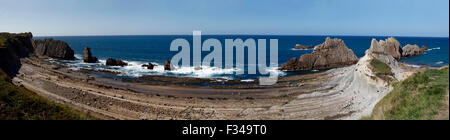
17,103
422,96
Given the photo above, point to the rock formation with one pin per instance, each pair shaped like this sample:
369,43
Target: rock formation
168,65
411,50
12,48
424,48
330,54
302,47
54,49
114,62
87,56
389,46
149,66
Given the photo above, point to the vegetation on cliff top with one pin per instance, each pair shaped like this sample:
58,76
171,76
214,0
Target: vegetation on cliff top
18,103
422,96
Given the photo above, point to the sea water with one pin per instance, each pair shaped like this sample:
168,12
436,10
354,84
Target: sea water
138,50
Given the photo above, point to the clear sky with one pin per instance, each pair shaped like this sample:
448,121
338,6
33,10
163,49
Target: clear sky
276,17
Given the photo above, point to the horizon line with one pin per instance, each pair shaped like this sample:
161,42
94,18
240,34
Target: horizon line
239,35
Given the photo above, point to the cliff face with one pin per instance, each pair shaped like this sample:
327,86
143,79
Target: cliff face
54,49
330,54
12,48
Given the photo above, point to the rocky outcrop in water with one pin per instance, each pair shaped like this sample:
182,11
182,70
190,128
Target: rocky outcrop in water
149,66
54,49
302,47
389,46
87,56
114,62
12,48
168,65
424,48
330,54
411,50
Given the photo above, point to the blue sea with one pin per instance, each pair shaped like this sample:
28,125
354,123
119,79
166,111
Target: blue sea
137,50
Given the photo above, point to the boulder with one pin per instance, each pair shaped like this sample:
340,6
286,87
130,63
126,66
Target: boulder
168,65
330,54
302,47
389,46
54,49
87,56
114,62
149,66
411,50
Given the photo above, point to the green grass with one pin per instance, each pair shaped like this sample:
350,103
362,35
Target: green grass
381,70
422,96
17,103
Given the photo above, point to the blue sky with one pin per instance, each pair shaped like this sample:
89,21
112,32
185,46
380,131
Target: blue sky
276,17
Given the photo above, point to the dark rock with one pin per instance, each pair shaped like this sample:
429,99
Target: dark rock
12,48
302,47
114,62
411,50
54,49
87,56
149,66
168,66
330,54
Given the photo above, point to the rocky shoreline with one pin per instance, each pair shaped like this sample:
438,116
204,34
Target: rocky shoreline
348,92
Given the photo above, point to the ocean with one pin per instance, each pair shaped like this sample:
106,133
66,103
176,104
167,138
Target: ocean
138,50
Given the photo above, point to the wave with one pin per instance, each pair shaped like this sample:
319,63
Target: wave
135,69
437,48
440,62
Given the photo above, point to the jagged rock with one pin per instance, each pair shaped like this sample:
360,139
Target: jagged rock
302,47
424,48
389,46
149,66
411,50
87,56
114,62
330,54
54,49
168,65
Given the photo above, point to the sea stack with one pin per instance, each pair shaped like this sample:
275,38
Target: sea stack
168,65
411,50
54,49
87,56
389,46
332,53
114,62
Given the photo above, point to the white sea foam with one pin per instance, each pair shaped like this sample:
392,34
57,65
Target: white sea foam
440,62
437,48
135,69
